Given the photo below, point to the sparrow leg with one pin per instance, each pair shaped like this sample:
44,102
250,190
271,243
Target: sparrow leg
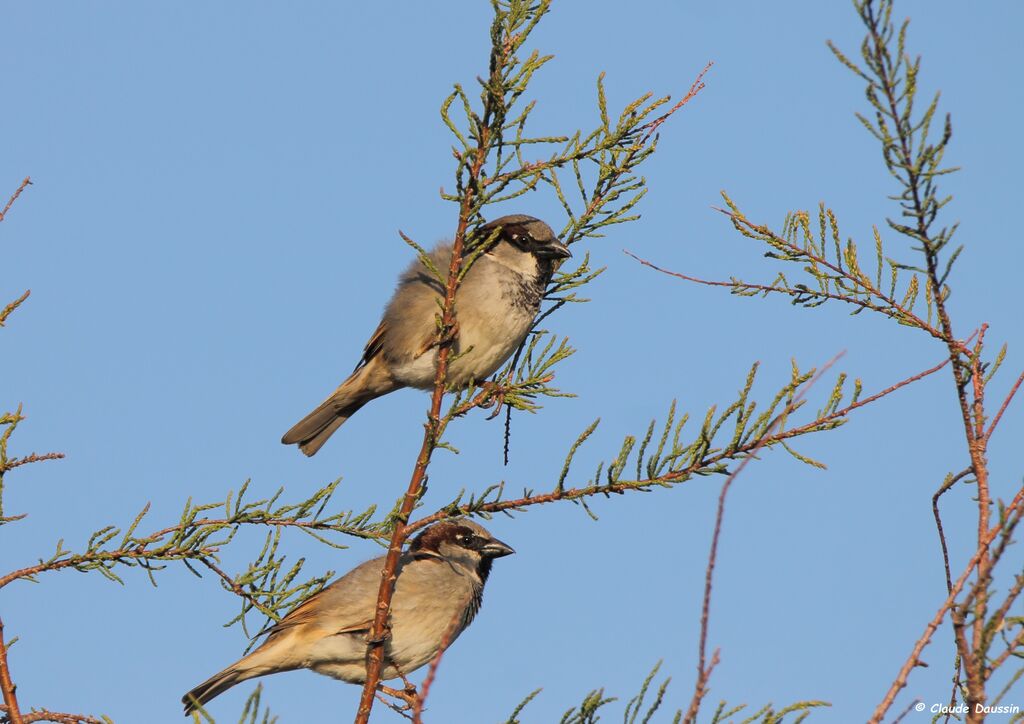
400,709
384,636
494,397
410,688
453,332
408,695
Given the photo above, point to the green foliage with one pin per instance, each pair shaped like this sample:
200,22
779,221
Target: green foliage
668,458
594,175
832,270
7,310
9,422
266,586
492,141
498,160
726,714
913,159
252,709
590,708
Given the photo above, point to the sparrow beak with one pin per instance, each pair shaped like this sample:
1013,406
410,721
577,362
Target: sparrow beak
494,548
554,249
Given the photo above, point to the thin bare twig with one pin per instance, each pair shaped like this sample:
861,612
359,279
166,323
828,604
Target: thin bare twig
696,87
704,673
6,311
432,430
890,302
977,443
140,551
1006,403
938,520
1011,647
7,687
428,681
32,458
41,715
14,197
229,582
45,715
136,553
700,689
560,494
915,655
947,485
903,714
1009,685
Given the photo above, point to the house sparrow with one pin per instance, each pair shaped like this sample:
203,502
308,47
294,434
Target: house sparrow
440,584
495,305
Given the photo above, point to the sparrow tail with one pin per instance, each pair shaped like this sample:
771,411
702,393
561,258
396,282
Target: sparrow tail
312,431
214,686
253,665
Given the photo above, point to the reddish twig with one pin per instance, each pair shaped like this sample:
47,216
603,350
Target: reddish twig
6,311
966,366
432,430
947,485
7,687
903,714
269,522
704,673
901,678
977,444
696,87
14,197
236,589
408,697
377,636
538,167
938,521
491,393
891,303
428,680
375,651
121,553
1006,403
700,689
33,458
140,551
40,715
1011,648
671,477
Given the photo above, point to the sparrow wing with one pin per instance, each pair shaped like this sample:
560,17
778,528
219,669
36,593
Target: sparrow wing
345,606
375,343
306,612
409,329
361,628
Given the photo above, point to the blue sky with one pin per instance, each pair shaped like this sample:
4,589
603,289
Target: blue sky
212,234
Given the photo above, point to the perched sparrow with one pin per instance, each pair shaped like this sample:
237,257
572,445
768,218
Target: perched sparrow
494,307
440,585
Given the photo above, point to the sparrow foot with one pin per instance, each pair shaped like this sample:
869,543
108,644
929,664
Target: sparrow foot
452,333
494,396
407,695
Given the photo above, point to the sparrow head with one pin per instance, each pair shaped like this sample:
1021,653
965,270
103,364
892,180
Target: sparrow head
528,234
463,543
